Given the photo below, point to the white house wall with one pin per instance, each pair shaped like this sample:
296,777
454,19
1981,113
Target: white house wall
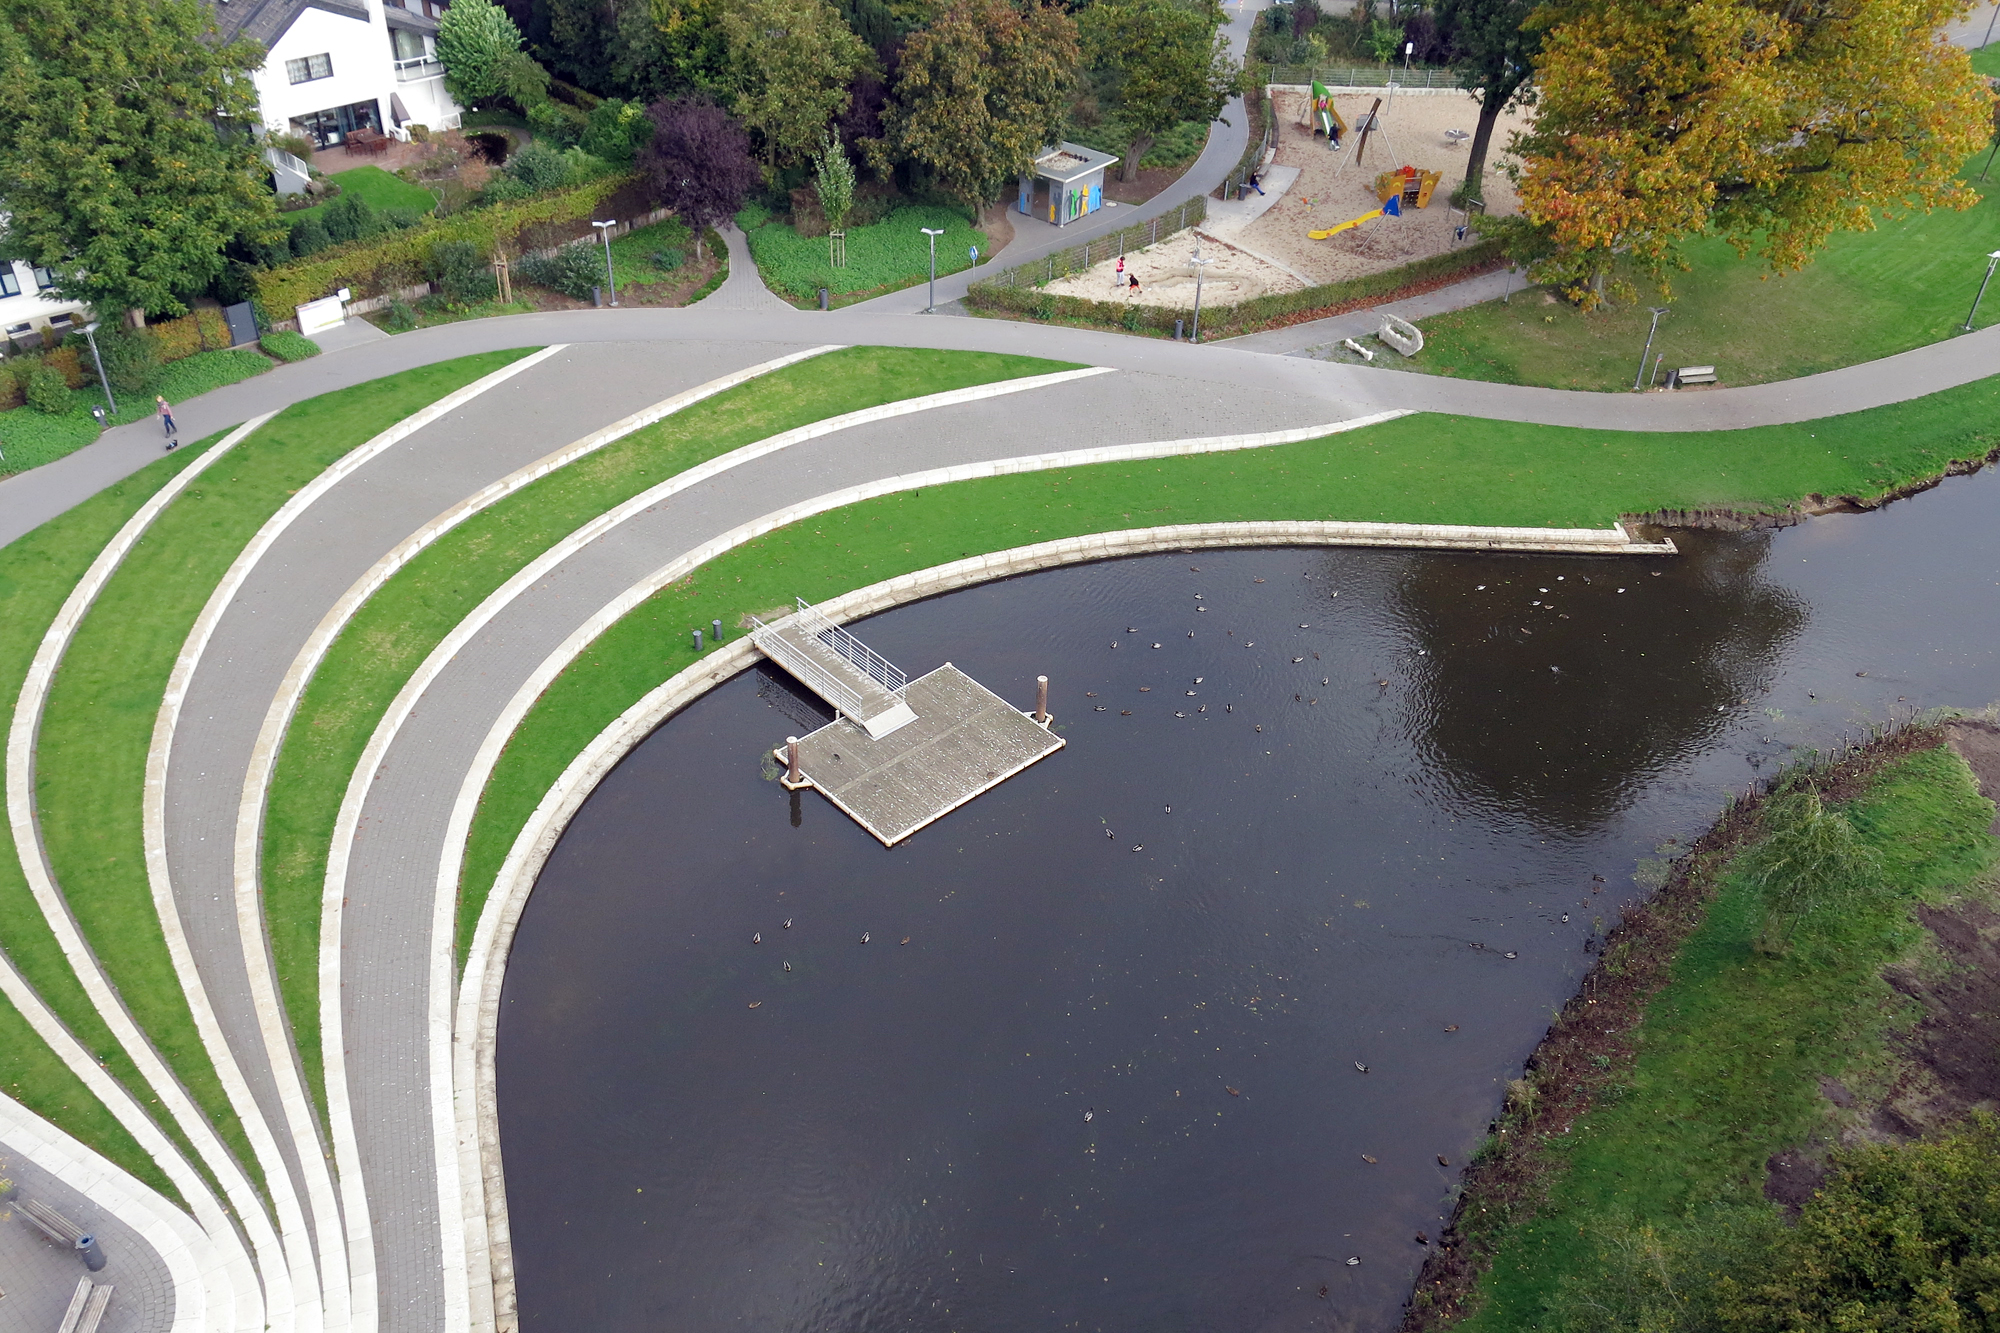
31,307
364,70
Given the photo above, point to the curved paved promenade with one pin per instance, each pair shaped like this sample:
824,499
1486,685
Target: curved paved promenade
395,1236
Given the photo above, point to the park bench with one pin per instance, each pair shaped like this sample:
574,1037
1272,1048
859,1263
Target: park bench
86,1308
1694,375
63,1232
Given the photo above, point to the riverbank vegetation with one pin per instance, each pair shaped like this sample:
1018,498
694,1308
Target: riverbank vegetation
1704,1089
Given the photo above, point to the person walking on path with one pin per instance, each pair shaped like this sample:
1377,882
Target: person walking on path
166,413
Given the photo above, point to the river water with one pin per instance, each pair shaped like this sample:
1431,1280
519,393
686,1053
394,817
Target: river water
1100,1064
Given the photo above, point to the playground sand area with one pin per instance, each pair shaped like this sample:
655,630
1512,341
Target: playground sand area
1414,127
1166,278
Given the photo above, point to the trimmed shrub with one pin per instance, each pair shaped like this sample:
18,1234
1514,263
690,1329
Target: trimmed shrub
289,346
402,317
403,258
572,270
462,273
67,362
131,359
176,338
557,123
45,391
309,236
10,389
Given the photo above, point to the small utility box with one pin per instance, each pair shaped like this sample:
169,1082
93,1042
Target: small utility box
1067,182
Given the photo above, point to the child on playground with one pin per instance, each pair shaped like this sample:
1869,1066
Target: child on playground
1133,289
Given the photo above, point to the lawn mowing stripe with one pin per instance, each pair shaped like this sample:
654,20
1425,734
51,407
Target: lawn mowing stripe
332,1272
463,1256
23,734
190,1258
256,783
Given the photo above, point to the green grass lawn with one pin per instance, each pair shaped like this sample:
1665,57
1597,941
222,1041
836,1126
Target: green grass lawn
636,256
409,615
90,758
37,572
1732,1051
381,189
1423,469
886,256
29,438
1868,295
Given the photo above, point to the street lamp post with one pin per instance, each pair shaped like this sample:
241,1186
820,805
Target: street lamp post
90,336
931,309
1200,264
1992,261
604,230
1657,311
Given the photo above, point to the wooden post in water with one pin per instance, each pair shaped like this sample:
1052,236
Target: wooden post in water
1042,700
792,760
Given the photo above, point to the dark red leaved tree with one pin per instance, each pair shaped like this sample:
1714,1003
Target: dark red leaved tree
698,163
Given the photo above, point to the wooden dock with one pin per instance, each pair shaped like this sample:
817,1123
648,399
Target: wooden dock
897,759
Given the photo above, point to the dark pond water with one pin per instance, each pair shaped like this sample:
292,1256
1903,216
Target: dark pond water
1110,1082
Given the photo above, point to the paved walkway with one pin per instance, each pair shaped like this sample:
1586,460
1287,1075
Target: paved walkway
38,1276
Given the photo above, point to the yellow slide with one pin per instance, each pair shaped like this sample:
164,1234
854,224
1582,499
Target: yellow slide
1351,222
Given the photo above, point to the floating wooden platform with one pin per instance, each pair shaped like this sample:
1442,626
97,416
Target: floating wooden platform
962,740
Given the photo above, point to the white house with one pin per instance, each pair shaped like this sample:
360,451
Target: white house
337,66
27,306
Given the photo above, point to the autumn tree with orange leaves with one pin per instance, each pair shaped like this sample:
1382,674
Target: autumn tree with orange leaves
1772,123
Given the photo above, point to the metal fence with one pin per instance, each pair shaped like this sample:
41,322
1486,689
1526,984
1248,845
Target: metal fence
1077,258
1363,76
1253,155
865,659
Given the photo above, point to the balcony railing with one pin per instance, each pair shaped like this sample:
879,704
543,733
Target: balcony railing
423,67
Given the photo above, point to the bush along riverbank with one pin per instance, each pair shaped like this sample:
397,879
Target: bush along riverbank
1756,1114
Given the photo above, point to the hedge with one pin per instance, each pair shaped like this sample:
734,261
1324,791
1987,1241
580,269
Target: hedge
402,259
288,346
1260,312
203,331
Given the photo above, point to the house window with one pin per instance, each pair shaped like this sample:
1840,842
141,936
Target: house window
43,279
9,284
308,68
408,45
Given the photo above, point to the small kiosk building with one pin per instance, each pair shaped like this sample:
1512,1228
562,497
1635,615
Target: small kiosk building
1068,182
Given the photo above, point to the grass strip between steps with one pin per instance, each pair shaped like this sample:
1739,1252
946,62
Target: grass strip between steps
1732,1051
37,573
1418,469
405,619
90,758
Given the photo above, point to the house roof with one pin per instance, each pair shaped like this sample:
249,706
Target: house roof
1069,161
265,21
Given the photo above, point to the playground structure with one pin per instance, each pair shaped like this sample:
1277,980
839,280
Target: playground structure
1318,113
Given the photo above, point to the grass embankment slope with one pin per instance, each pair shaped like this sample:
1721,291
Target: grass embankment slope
1869,294
1653,1157
1420,469
885,256
90,758
379,189
37,573
399,626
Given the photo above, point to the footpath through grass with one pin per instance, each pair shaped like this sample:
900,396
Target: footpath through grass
37,572
412,613
1730,1058
1908,283
90,758
29,438
1418,469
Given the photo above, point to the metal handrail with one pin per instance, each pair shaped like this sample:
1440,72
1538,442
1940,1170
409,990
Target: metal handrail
844,697
865,659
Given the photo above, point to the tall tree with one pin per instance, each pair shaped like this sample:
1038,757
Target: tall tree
1494,53
1773,123
1166,63
477,44
790,61
692,54
981,90
128,161
698,163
